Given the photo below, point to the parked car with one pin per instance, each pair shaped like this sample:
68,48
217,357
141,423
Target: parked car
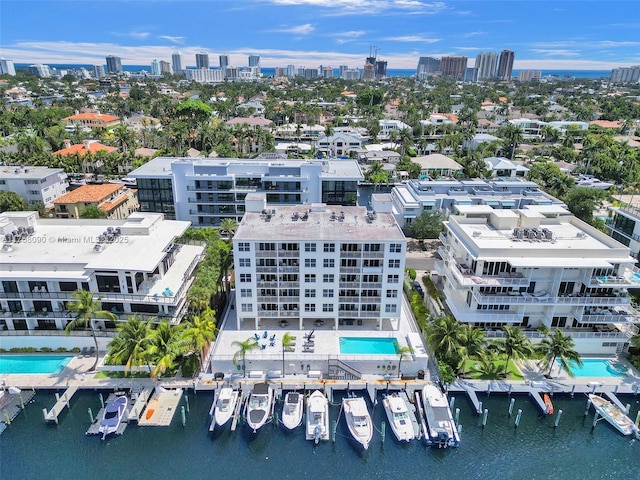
417,287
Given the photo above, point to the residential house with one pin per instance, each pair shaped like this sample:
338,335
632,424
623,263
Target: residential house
115,200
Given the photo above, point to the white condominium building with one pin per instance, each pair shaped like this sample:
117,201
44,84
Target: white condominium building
318,265
132,266
35,184
538,266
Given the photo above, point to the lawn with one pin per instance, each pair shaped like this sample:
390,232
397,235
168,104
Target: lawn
512,373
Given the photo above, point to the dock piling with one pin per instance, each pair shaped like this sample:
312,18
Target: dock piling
511,402
91,419
627,408
184,416
334,427
638,419
383,429
479,408
485,414
586,411
186,401
555,424
518,416
595,420
452,402
457,416
101,399
573,390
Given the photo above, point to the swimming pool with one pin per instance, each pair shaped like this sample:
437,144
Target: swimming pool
368,345
594,367
30,364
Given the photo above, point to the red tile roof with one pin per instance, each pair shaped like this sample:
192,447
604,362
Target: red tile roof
93,116
89,193
82,148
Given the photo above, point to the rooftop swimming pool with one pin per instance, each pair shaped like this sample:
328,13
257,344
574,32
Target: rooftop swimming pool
597,367
368,346
33,364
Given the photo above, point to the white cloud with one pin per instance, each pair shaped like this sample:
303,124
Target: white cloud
365,7
411,38
556,52
304,29
133,34
179,40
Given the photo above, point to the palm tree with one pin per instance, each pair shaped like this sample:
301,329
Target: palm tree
200,331
228,226
513,136
166,344
472,343
287,340
444,335
487,368
403,352
558,346
244,347
129,347
86,310
515,345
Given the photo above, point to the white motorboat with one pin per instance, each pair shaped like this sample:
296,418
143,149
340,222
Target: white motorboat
258,409
614,415
225,405
358,419
593,182
292,410
399,417
112,416
317,417
441,427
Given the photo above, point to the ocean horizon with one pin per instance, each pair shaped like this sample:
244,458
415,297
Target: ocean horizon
391,72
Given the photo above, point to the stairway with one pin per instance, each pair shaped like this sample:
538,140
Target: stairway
341,371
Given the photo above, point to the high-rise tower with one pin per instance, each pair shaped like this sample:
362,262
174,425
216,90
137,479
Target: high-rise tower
505,65
486,64
176,63
114,64
202,60
224,61
453,67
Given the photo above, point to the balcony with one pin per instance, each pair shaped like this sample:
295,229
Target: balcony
288,253
265,269
288,269
543,298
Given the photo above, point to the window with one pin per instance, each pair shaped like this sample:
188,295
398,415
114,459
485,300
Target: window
328,263
309,247
245,277
310,263
328,278
246,293
348,262
263,247
309,278
372,247
327,307
394,263
309,307
309,293
246,307
245,262
244,247
329,247
393,278
395,248
327,293
392,293
390,308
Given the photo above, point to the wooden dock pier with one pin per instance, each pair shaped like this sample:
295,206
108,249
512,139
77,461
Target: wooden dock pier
61,402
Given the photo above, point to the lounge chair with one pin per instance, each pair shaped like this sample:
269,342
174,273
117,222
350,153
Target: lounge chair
263,346
272,343
91,351
272,338
83,352
265,334
257,337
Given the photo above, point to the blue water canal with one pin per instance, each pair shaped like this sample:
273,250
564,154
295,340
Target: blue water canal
31,449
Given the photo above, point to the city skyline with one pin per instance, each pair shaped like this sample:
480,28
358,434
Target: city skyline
543,35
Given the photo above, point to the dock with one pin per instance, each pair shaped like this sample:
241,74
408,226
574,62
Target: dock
244,395
212,410
12,402
412,414
139,399
61,402
612,396
161,408
94,428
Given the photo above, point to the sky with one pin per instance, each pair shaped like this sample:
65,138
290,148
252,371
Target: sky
545,35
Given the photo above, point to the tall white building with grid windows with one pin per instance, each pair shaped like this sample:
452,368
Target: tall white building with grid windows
311,265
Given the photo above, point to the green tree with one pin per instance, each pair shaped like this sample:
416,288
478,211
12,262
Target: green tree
86,309
403,352
129,348
287,341
472,343
243,347
444,335
560,347
487,367
12,202
635,340
91,211
427,225
228,226
200,332
514,345
581,201
166,344
512,136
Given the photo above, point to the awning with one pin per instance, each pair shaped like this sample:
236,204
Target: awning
428,204
509,203
409,216
492,203
463,202
536,262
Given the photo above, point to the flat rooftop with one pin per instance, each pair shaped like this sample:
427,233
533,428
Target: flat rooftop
323,223
10,172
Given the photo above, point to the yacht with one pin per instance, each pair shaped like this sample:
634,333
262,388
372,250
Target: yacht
292,410
400,417
258,409
358,420
225,405
614,415
317,417
441,427
112,416
593,182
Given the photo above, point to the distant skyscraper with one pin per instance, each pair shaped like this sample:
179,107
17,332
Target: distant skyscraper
114,64
369,72
381,68
202,60
176,63
470,74
254,60
626,74
529,75
7,67
39,70
155,67
224,61
505,65
453,67
98,71
291,70
427,66
165,68
486,64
